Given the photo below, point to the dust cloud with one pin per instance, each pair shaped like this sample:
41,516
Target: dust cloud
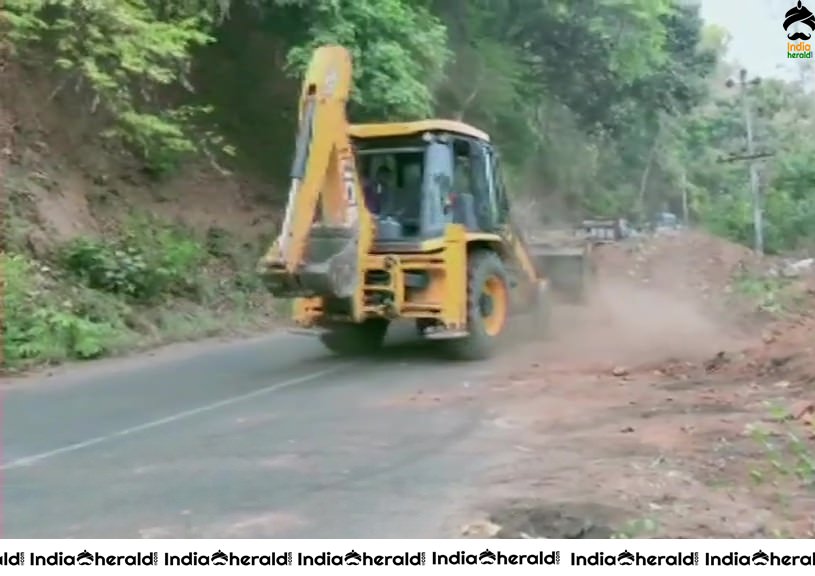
647,303
624,323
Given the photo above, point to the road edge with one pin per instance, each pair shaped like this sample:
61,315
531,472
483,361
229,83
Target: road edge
137,358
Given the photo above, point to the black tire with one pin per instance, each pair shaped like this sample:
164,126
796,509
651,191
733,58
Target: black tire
483,269
356,339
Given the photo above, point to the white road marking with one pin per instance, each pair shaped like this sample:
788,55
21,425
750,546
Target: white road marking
29,460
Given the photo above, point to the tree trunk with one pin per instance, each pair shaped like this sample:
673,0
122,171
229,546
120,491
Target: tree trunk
468,101
647,172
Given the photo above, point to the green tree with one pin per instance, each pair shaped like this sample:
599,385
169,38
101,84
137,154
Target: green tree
398,47
121,53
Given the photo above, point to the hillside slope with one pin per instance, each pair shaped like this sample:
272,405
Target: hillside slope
100,256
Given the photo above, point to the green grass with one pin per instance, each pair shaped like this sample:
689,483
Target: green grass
152,282
775,296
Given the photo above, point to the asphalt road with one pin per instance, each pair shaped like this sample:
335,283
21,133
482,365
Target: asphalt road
270,438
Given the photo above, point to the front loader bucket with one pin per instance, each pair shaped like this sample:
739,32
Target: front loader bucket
568,269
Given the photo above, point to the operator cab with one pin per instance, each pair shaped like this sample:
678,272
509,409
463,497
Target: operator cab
416,183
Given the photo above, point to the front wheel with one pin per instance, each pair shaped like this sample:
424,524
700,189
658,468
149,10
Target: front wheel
356,339
487,307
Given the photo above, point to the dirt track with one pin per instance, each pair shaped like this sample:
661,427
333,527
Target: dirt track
638,410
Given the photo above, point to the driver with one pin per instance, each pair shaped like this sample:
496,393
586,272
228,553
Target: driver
381,192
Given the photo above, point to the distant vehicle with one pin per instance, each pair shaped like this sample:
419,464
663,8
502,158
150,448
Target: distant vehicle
667,222
604,231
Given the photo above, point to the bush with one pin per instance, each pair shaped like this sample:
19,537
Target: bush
149,261
39,324
153,279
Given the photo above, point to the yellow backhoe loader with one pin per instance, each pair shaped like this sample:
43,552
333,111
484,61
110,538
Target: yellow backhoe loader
403,220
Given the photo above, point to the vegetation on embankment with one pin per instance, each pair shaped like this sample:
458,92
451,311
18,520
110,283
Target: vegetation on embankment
149,283
615,126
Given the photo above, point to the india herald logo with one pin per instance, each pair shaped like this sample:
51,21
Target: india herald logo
797,20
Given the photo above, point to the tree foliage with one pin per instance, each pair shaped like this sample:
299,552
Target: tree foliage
780,112
399,51
608,107
123,52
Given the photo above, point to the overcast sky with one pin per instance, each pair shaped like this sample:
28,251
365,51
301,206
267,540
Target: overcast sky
758,40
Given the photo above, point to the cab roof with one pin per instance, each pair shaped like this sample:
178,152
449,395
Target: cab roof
385,129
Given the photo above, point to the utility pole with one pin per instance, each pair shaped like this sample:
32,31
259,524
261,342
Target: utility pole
758,213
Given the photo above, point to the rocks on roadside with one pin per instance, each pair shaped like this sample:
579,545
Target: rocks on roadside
480,529
798,268
717,362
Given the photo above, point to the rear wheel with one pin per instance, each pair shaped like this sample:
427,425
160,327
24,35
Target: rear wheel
356,339
487,307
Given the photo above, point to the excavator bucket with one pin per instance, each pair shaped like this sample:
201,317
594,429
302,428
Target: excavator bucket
602,231
567,264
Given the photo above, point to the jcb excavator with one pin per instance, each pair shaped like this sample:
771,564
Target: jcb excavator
434,245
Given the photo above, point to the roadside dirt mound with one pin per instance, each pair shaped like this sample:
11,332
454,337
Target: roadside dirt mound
788,349
694,266
646,401
654,300
667,308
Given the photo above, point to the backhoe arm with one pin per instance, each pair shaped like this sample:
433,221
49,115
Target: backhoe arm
327,229
523,254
